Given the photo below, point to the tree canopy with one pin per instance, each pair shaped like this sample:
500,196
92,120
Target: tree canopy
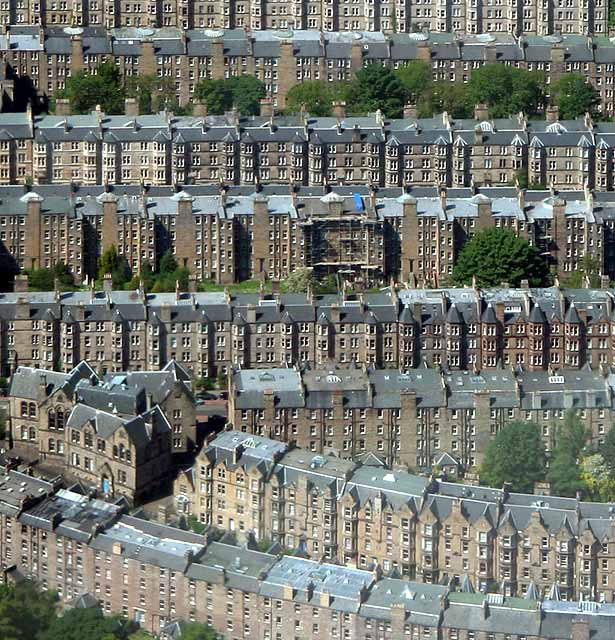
318,97
45,279
243,93
565,464
29,614
588,270
495,255
110,262
299,281
103,87
506,90
377,87
24,611
516,455
416,78
451,97
196,631
152,93
87,624
574,96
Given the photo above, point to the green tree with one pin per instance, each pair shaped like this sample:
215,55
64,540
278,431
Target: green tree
108,261
168,263
147,276
327,285
589,269
86,624
506,90
564,468
45,279
607,450
416,77
574,96
515,455
242,92
40,280
317,96
451,97
598,478
215,94
152,92
111,262
495,255
102,87
24,611
197,631
246,92
299,281
377,87
62,274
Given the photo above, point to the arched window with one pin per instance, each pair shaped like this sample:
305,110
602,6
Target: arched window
51,445
33,410
24,409
60,417
32,433
115,451
51,419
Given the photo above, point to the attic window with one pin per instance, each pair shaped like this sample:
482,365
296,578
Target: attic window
556,127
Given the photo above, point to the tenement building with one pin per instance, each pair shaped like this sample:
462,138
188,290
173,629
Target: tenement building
116,434
208,333
416,417
228,235
44,58
368,517
390,16
163,149
90,551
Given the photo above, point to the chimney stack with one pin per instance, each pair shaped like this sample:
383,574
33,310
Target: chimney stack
552,113
410,111
131,107
62,107
481,112
266,107
199,108
339,109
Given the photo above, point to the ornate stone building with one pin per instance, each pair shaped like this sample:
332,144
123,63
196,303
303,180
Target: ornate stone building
390,17
89,551
365,516
208,333
117,435
45,58
415,417
366,235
